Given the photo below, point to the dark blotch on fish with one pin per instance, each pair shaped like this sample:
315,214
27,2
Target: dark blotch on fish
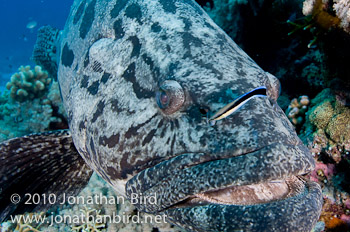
136,46
97,67
67,57
169,6
105,77
87,59
140,92
118,7
118,29
93,89
99,111
88,18
134,11
149,137
156,27
84,82
109,141
79,12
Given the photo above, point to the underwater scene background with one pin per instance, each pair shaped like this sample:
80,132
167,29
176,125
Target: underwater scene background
305,44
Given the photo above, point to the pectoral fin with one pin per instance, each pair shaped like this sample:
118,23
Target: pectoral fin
45,163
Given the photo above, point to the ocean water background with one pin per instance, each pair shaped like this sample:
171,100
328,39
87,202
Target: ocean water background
16,40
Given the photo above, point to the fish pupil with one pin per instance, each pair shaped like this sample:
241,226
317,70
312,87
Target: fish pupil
162,99
203,111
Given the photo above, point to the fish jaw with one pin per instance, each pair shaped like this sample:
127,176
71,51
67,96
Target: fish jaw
194,186
298,213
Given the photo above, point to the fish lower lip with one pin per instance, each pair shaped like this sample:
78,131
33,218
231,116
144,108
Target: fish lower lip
297,213
251,194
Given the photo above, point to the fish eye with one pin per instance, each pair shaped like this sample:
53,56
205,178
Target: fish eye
170,97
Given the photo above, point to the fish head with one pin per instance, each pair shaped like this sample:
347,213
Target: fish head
142,88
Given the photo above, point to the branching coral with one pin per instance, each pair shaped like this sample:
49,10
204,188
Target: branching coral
321,12
297,109
38,115
28,84
318,9
342,10
30,222
89,223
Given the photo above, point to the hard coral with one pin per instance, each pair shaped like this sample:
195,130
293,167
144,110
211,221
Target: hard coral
318,9
29,222
89,223
38,115
332,117
321,12
28,84
342,10
297,109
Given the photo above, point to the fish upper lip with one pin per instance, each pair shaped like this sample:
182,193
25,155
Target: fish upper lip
186,175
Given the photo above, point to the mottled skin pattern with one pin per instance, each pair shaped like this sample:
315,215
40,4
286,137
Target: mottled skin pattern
115,55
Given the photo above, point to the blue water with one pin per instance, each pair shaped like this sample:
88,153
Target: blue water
16,40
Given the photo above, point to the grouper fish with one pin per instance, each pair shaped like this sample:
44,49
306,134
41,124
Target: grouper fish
161,102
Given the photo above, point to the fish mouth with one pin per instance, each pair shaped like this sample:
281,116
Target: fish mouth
251,194
263,190
258,177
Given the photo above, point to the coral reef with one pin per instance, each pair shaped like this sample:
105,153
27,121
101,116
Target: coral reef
314,68
20,116
327,134
89,224
321,12
45,49
342,10
227,15
28,222
28,84
297,109
335,214
318,9
331,121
